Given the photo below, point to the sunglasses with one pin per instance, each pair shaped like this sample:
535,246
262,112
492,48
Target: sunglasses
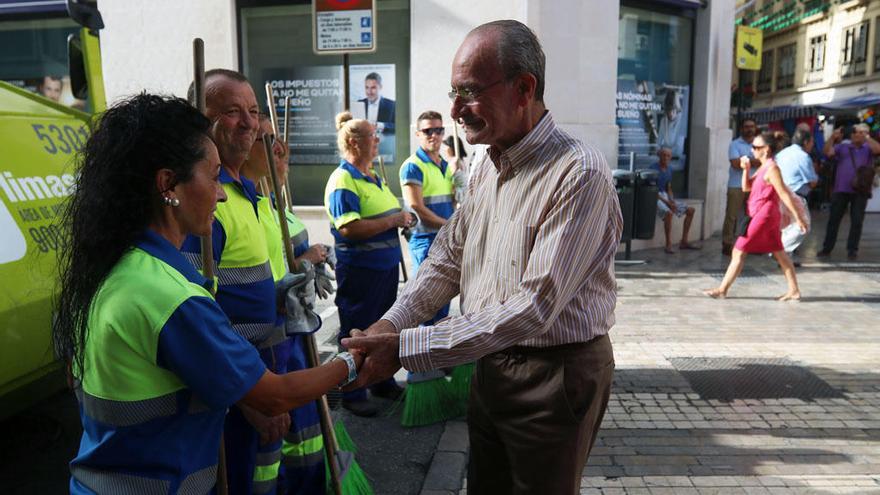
430,131
759,147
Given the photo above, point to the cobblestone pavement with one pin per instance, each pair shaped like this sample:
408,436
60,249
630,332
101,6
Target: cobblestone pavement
744,395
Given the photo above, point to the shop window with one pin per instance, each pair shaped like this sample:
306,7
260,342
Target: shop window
855,50
816,59
785,69
654,88
876,45
276,47
765,75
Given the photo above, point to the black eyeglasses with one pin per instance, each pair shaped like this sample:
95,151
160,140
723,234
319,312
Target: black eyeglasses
469,96
430,131
759,147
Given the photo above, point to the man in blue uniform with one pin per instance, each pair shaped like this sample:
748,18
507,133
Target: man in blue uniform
245,286
427,184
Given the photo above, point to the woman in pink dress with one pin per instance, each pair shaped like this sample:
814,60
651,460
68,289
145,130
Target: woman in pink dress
763,234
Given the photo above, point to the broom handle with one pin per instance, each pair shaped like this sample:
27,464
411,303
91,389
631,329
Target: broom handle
385,179
330,444
273,112
205,241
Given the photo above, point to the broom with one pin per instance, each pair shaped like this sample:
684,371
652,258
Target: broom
355,481
428,398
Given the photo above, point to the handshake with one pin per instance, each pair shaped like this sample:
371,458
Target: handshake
376,353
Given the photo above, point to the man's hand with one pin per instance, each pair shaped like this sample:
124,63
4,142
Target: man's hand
381,350
270,428
837,135
316,254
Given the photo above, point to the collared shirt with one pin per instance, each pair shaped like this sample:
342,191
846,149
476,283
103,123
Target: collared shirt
373,110
797,169
351,195
846,169
152,409
531,251
437,188
738,148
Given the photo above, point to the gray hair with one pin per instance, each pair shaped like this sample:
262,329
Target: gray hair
519,51
801,136
862,127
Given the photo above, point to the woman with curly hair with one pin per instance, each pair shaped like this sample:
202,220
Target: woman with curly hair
154,359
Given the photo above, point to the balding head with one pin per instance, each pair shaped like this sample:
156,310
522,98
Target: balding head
232,105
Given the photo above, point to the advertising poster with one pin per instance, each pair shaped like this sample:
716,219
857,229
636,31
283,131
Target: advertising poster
316,95
373,97
651,116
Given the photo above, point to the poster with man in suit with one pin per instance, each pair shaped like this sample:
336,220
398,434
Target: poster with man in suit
373,92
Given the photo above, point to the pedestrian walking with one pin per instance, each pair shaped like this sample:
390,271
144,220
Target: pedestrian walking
762,230
532,254
799,177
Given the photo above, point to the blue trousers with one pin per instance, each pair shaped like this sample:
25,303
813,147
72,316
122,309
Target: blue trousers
301,474
418,251
363,295
242,441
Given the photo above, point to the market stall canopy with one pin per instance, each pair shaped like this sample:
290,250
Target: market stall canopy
772,114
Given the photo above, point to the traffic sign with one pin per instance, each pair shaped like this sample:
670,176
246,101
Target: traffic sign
343,26
749,41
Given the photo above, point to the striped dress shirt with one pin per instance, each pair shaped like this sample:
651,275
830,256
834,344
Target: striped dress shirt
531,252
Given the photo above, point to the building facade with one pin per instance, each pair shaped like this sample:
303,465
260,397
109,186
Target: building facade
628,76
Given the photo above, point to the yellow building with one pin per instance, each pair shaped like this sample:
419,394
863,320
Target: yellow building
815,52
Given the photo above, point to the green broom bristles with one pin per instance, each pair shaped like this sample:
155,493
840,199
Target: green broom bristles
461,383
355,481
428,402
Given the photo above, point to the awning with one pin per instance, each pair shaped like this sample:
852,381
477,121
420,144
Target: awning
765,115
770,114
854,103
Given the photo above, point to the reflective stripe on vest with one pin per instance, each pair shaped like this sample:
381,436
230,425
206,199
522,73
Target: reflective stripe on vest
245,256
368,246
303,448
266,471
199,482
119,413
254,332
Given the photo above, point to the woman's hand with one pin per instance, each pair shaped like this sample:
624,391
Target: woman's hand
745,162
802,225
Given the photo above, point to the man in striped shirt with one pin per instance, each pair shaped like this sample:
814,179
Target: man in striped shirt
531,252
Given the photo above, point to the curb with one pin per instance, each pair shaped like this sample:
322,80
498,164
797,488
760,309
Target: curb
449,464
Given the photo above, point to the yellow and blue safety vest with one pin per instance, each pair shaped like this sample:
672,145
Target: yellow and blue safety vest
438,190
350,196
152,409
245,288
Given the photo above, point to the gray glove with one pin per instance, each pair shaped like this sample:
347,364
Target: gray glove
331,257
299,301
323,284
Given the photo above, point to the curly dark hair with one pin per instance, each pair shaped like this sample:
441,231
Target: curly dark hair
115,198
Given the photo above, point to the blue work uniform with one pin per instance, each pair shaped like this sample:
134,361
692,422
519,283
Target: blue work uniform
301,452
152,409
366,269
246,293
438,193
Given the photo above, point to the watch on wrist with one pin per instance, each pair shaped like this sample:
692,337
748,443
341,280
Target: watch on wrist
352,367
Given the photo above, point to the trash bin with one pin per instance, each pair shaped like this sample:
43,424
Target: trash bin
645,204
623,182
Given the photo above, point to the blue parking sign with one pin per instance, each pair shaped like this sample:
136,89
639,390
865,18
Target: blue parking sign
366,37
365,22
